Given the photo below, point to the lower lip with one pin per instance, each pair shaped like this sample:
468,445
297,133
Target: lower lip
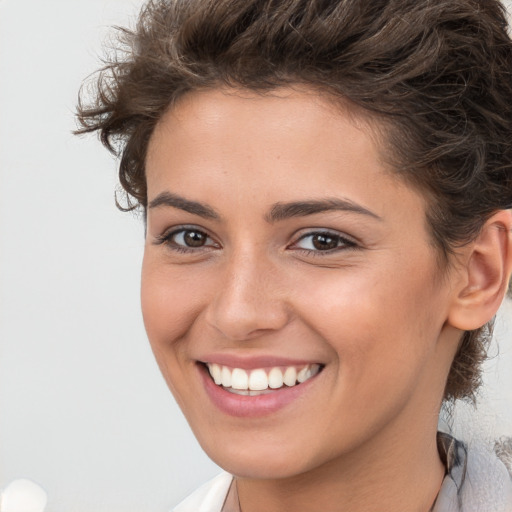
245,406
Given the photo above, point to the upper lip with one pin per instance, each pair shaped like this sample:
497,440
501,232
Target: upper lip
255,361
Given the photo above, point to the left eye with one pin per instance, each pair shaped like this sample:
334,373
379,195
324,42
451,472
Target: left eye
322,242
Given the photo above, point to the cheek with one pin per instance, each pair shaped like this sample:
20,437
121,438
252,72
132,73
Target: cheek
169,304
387,320
169,307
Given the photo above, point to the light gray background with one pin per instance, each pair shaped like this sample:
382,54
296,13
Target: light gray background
83,409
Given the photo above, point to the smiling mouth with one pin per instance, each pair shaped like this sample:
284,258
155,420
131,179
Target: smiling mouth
260,381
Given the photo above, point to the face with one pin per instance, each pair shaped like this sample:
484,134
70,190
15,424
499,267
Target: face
290,290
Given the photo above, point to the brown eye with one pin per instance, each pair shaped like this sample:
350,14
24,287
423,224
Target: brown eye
186,239
194,238
324,242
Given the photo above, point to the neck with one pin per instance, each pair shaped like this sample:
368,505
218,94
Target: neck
402,473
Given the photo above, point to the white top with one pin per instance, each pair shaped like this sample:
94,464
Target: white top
23,496
209,497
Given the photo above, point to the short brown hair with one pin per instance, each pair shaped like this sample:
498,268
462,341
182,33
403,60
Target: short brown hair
439,74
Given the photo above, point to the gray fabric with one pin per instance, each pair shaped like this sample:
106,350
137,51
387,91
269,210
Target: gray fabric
476,479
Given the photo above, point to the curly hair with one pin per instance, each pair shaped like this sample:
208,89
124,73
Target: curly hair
436,74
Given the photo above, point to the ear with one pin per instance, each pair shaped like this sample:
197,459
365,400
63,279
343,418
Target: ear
485,274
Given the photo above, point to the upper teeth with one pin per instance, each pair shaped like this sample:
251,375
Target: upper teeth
260,379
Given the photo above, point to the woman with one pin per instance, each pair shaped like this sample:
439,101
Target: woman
327,189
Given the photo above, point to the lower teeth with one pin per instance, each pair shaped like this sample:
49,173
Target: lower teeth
249,392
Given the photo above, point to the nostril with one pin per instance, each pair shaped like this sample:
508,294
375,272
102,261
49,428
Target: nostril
246,322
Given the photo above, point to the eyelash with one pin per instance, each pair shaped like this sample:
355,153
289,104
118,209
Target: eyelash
167,239
343,243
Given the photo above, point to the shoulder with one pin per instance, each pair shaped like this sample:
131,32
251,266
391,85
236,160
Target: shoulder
503,449
476,480
209,497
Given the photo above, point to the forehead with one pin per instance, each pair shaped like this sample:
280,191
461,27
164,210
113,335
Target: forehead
277,122
286,142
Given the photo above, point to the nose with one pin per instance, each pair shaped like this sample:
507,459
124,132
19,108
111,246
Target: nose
250,299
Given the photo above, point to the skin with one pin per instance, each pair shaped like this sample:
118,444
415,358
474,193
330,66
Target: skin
374,310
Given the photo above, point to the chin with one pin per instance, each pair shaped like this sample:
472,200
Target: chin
258,469
257,460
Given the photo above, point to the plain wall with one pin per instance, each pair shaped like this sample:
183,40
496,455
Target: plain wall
83,409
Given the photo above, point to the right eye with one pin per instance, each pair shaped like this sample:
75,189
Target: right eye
186,240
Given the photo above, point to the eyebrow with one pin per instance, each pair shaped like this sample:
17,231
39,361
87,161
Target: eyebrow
282,211
278,212
175,201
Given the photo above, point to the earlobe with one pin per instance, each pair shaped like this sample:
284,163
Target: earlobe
486,274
